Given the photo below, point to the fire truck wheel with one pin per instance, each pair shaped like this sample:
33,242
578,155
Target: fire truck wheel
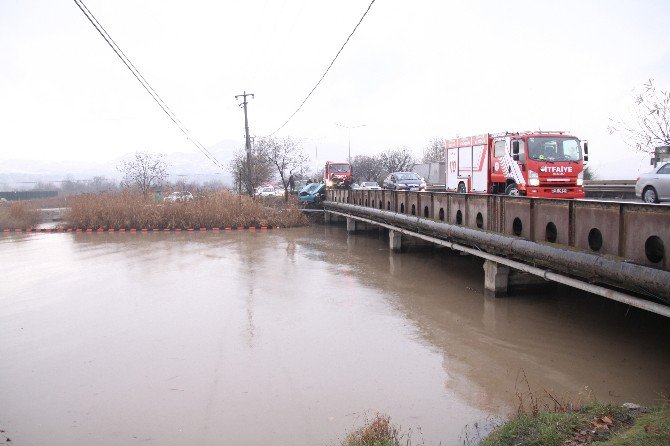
461,188
512,189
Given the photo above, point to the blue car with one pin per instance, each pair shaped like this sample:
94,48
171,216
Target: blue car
312,193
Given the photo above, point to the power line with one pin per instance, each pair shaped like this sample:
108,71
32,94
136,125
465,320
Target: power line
327,69
136,73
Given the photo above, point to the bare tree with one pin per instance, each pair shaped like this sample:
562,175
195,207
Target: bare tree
648,125
367,168
262,172
397,160
285,155
144,172
435,151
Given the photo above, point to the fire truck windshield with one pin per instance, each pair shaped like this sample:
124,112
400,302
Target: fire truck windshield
339,167
554,148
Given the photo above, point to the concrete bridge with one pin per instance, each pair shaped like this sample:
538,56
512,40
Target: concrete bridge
616,250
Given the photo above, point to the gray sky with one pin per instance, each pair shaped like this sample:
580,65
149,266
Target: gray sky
414,70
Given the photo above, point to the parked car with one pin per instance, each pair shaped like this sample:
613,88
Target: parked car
654,186
404,181
312,193
178,196
369,185
266,191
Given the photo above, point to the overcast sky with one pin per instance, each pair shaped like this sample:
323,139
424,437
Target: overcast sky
413,71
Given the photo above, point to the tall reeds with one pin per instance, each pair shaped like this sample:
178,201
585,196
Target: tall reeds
18,214
215,209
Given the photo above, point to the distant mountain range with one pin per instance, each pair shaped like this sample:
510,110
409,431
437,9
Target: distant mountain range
19,174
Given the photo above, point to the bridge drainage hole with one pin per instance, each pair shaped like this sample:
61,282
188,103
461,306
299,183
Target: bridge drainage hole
595,239
402,208
441,214
654,249
517,226
381,205
459,217
413,210
388,205
551,233
480,220
426,212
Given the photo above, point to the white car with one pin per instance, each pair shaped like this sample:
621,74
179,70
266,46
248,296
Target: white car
267,191
178,196
370,185
654,186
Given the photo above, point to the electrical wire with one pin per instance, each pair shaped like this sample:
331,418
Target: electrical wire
136,73
327,69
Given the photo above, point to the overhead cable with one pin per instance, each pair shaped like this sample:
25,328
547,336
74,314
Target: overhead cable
136,73
327,69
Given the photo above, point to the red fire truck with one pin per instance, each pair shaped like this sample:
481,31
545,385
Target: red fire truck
337,175
536,164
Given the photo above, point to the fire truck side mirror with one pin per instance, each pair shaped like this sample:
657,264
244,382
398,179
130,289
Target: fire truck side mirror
586,147
515,157
586,157
515,149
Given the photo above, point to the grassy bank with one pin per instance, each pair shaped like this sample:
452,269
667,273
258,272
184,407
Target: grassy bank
593,423
18,214
216,209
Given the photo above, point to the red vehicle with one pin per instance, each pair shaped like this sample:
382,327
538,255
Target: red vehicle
337,175
536,164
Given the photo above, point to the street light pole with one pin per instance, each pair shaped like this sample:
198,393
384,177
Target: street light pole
349,127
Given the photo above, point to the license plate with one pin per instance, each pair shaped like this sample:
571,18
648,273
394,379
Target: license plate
559,191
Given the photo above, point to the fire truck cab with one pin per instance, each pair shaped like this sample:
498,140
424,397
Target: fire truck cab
337,175
536,164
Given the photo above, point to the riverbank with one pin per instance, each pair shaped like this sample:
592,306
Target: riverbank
592,423
128,210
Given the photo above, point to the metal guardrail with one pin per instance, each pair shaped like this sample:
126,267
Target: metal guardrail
610,188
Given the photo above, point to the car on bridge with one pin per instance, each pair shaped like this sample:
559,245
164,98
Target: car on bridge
404,181
654,186
369,185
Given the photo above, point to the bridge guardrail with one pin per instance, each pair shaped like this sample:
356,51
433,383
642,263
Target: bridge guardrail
610,188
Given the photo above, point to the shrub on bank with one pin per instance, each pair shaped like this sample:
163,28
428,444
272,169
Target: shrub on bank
216,209
18,214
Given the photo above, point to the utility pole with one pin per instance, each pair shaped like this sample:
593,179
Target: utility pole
250,187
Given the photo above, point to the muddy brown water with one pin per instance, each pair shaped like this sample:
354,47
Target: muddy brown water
289,337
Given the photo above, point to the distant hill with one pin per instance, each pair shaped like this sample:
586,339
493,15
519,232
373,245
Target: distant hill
19,174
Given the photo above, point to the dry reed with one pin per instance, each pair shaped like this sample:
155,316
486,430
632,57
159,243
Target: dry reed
18,214
215,209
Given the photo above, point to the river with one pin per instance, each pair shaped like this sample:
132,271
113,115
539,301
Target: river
291,337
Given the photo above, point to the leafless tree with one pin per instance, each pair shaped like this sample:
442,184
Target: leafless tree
397,160
144,171
367,168
286,155
648,125
435,151
263,170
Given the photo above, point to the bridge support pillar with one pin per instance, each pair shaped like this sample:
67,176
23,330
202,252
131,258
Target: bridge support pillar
351,225
496,278
395,241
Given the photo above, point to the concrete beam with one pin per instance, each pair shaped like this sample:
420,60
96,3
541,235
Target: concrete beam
496,278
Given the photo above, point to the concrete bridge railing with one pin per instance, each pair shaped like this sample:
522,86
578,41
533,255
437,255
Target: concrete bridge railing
634,232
